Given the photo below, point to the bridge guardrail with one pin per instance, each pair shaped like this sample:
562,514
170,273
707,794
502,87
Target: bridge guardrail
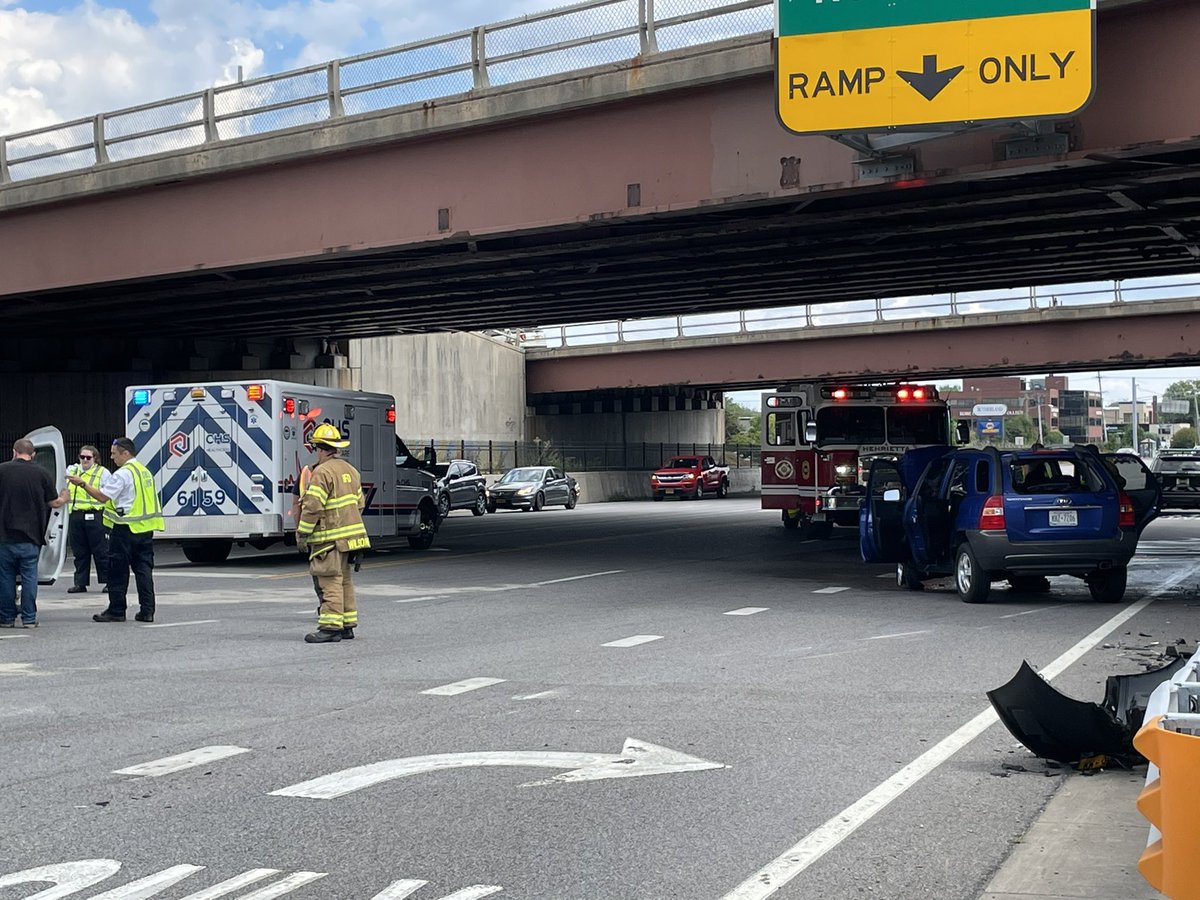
557,41
868,311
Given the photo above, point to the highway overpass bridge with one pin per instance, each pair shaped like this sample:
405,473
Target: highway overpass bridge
656,182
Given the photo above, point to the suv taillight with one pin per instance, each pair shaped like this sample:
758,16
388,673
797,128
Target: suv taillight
992,517
1127,519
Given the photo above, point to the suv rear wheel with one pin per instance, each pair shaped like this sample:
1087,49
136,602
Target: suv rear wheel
970,581
1108,586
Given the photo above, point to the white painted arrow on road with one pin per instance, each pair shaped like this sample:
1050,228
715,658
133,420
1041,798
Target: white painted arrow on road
636,758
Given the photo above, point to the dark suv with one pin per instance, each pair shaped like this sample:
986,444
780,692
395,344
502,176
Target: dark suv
461,487
1178,473
985,515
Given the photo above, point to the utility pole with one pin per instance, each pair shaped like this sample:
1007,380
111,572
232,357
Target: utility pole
1041,439
1133,415
1103,420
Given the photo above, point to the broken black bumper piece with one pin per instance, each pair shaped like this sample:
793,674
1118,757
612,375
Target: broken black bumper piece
1055,726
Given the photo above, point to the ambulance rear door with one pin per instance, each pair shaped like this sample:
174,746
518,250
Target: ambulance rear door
49,453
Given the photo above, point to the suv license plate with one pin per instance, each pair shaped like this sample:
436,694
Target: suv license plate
669,491
1064,517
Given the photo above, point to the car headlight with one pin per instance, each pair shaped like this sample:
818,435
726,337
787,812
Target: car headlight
524,491
845,471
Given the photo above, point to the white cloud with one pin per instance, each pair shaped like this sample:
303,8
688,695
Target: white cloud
88,59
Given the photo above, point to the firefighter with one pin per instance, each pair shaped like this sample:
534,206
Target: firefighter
331,529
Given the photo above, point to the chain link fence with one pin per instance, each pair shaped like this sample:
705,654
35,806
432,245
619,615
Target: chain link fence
495,457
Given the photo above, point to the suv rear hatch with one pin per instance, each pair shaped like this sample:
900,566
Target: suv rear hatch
1058,497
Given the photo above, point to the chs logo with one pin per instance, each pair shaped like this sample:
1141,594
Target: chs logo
178,443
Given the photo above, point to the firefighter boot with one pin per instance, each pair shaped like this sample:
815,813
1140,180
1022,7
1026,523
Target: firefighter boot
322,637
347,634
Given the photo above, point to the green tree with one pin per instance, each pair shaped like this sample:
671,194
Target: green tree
734,412
1184,438
1019,426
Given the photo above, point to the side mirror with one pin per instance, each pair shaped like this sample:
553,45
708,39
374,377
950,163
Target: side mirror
430,456
810,432
962,432
892,495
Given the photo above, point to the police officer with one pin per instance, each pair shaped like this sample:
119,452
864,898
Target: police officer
331,528
133,513
85,530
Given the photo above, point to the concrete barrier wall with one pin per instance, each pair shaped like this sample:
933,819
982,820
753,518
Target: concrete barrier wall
447,385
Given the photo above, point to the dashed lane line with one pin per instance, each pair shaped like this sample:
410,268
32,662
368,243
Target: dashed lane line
201,756
830,590
461,687
747,611
182,624
634,640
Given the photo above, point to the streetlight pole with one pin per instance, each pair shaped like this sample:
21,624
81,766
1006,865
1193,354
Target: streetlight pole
1041,399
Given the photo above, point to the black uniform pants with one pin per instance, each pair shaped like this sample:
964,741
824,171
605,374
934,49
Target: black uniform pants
89,541
126,551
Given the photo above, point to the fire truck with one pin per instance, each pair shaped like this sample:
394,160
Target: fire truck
819,439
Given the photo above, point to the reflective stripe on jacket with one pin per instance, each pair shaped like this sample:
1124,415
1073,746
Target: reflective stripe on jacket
146,512
331,511
80,499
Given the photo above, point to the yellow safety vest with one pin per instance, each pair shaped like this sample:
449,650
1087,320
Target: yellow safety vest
146,512
80,499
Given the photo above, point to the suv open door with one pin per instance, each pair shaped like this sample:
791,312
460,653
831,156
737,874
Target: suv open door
48,452
1141,486
881,515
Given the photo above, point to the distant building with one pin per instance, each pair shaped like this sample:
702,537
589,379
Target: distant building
1040,399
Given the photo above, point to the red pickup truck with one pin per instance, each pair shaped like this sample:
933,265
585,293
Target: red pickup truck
690,478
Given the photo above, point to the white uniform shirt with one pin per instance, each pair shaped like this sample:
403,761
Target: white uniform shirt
118,487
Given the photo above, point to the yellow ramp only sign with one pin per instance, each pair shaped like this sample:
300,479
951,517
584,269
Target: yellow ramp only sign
871,65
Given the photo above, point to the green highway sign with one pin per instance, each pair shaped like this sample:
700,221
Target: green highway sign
821,16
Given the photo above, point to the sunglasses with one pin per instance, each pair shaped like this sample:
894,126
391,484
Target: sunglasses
81,456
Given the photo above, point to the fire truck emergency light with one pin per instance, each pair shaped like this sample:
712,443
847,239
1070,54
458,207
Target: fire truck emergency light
141,398
254,392
289,406
391,416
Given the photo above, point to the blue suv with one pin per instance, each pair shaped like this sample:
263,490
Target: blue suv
985,515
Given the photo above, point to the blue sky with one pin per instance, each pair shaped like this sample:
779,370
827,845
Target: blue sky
62,60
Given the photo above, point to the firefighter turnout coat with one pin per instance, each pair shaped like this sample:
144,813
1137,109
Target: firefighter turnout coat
331,511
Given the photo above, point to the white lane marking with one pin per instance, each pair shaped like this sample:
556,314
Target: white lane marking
148,886
637,758
181,624
747,611
884,637
417,599
20,670
831,590
474,892
461,687
886,575
538,696
827,655
198,757
578,577
229,885
244,576
634,640
286,886
796,859
1030,612
9,637
398,890
70,878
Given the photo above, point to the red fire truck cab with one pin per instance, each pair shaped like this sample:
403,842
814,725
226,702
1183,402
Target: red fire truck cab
817,441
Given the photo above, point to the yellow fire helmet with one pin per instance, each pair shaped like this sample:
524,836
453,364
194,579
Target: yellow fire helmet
325,434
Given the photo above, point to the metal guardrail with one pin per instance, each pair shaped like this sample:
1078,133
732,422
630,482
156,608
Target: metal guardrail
557,41
869,311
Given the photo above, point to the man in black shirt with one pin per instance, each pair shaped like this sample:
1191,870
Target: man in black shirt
26,497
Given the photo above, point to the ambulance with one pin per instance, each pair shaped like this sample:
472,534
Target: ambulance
229,459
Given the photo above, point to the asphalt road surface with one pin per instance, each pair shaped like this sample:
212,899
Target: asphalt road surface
626,701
